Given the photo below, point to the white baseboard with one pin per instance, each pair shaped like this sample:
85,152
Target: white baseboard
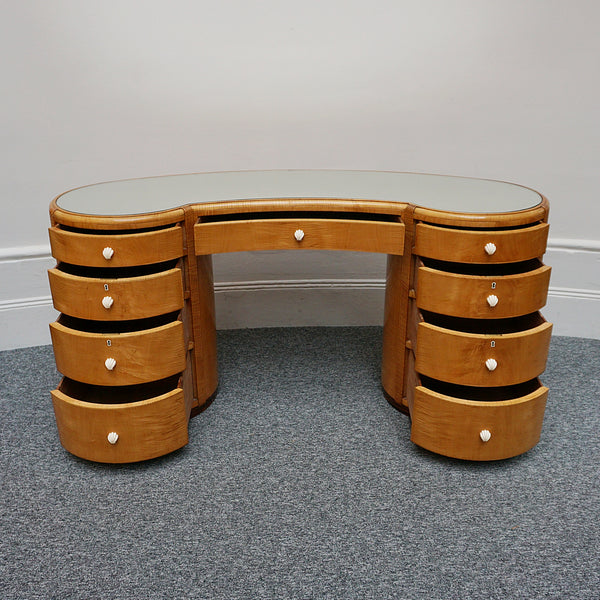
26,307
573,312
26,325
25,304
331,303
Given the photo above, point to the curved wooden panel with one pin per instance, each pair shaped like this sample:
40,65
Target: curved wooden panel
484,219
457,357
139,221
140,356
278,234
145,429
452,426
459,245
133,297
130,249
466,296
318,205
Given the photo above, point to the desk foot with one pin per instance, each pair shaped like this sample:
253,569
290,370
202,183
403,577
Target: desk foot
400,406
196,410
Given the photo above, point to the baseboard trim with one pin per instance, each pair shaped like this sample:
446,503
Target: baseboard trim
329,302
24,253
26,310
339,285
572,245
299,284
301,303
560,292
21,303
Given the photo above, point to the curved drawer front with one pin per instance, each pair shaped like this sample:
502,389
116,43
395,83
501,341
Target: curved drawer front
481,360
297,234
116,299
453,427
482,297
469,246
119,250
138,357
144,429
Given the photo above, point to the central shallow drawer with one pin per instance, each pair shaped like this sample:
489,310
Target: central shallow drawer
457,428
144,429
116,250
295,234
482,296
482,359
481,246
125,298
139,356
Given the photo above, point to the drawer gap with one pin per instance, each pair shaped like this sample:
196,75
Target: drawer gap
490,229
122,394
301,214
107,327
484,326
113,231
116,272
480,394
491,270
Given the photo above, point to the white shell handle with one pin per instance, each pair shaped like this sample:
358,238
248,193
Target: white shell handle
108,253
107,302
485,435
490,248
492,300
491,364
299,235
112,437
110,363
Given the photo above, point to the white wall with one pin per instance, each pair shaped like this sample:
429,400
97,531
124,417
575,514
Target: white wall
101,90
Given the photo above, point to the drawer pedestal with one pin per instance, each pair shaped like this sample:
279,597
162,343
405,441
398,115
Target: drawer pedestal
456,427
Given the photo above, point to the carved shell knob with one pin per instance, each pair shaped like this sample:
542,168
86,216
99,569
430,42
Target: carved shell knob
492,300
485,435
491,364
490,248
299,235
110,363
108,253
112,437
107,302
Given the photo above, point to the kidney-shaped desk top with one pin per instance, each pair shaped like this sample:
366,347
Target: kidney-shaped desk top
437,192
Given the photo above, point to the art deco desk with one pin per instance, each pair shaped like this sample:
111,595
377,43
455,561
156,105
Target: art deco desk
463,341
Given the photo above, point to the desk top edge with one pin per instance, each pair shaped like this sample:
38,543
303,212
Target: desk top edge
132,201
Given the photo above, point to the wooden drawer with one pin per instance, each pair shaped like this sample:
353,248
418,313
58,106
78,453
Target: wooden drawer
462,358
452,426
140,356
128,249
279,234
131,297
470,296
460,245
145,429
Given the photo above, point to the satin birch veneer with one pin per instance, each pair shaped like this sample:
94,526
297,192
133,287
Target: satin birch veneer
459,245
463,343
129,249
453,426
145,429
461,295
116,299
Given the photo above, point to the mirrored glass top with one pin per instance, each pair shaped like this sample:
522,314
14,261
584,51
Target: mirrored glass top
154,194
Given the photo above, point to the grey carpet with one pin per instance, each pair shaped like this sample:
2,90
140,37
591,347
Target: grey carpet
300,482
